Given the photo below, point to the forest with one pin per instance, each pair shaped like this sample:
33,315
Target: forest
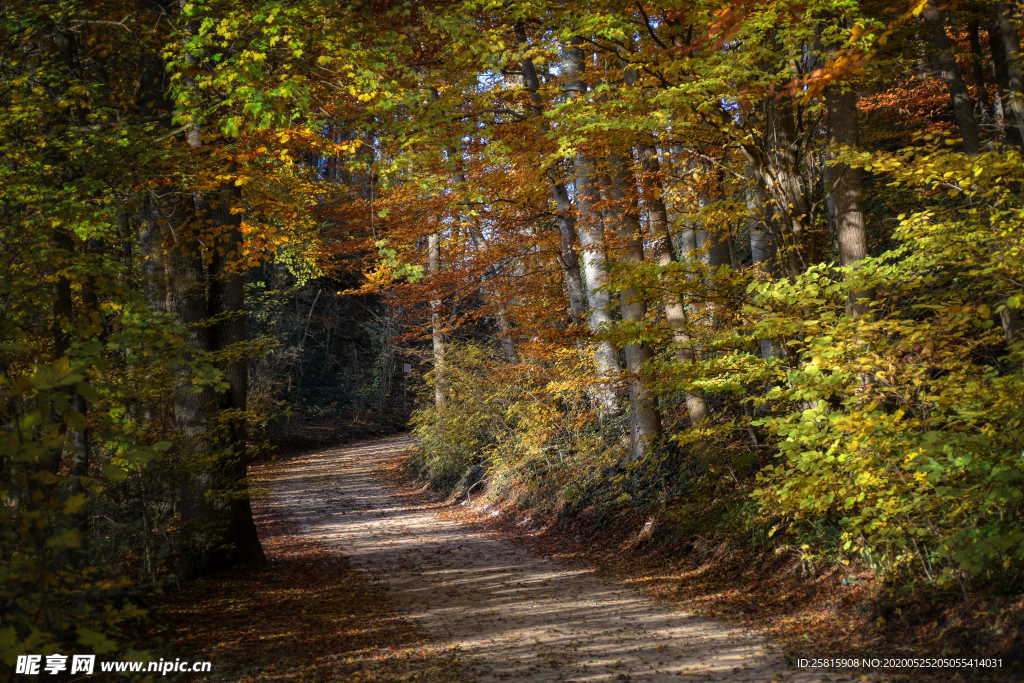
730,282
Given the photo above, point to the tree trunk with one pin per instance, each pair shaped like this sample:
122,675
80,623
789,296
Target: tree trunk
978,69
591,233
846,190
564,219
476,237
948,71
501,318
436,336
762,251
63,323
644,418
221,294
227,293
664,254
775,164
1006,56
568,260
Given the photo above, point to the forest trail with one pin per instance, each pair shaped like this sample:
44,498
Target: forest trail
512,613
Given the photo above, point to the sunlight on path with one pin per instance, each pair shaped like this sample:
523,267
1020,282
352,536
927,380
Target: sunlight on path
514,615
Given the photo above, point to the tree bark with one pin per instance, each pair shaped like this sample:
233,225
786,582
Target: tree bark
846,190
644,418
591,233
664,254
948,71
221,294
564,219
775,164
436,336
978,69
1006,56
762,250
568,260
228,304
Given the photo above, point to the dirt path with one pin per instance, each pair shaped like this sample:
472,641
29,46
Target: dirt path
513,614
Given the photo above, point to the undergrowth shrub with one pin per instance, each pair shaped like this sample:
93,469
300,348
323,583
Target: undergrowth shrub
530,425
902,428
533,429
457,438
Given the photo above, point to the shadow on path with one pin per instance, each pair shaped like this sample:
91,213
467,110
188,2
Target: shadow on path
513,614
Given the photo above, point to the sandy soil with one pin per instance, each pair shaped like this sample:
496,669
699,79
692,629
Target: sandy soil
513,614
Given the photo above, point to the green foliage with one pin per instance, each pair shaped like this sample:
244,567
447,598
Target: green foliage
54,600
903,426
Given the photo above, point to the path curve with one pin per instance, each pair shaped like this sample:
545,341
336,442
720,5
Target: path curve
513,614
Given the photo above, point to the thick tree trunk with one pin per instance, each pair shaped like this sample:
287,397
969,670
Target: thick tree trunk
1006,56
762,247
189,302
175,279
664,254
846,190
152,259
775,164
221,294
644,418
948,71
227,293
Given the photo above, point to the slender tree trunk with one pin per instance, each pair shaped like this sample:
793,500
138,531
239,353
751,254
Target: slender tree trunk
501,316
436,336
644,418
978,69
595,271
63,322
80,440
1006,55
948,71
591,233
567,259
664,254
564,219
762,250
